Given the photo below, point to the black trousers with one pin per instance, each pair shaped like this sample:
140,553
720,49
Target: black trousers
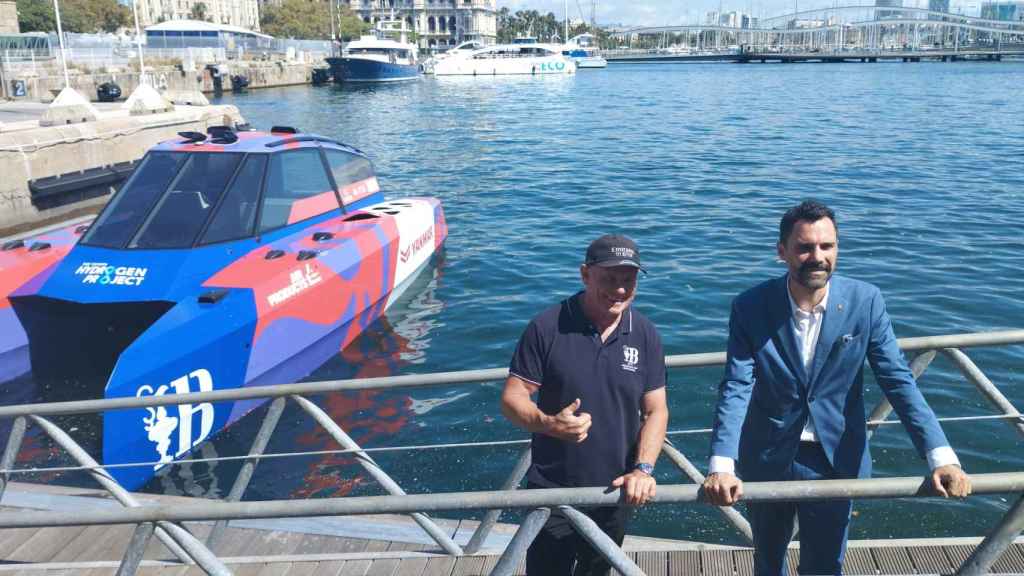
559,550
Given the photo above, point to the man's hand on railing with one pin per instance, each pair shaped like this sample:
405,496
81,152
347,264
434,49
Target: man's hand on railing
951,480
722,489
638,487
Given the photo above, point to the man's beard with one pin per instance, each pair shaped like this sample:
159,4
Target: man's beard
814,282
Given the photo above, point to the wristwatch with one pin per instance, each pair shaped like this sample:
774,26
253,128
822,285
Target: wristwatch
645,468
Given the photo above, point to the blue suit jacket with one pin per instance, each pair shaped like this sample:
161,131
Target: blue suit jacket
766,395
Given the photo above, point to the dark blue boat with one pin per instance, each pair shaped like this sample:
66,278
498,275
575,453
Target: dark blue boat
378,57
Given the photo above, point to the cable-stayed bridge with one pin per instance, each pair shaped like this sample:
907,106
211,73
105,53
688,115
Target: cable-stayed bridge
843,33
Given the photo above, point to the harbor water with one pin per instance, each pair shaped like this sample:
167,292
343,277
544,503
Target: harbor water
922,163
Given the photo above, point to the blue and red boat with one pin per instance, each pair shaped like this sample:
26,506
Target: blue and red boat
226,260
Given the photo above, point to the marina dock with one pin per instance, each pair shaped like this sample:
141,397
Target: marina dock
110,531
386,545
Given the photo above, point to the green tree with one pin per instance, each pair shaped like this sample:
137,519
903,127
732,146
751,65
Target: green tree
198,11
83,16
310,19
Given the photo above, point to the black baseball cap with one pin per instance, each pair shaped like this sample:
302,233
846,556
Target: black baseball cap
613,250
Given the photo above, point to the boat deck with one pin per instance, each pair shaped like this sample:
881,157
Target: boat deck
393,546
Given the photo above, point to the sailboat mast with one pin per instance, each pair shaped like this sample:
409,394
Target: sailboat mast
565,8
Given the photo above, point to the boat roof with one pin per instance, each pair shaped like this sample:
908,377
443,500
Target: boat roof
223,139
375,42
201,26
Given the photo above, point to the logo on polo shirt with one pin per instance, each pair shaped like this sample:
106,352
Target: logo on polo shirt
630,358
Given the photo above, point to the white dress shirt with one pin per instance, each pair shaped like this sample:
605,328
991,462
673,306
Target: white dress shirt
807,329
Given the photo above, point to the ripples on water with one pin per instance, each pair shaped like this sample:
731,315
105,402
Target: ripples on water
697,163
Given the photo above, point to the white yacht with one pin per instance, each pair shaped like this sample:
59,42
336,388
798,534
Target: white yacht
583,50
464,48
501,59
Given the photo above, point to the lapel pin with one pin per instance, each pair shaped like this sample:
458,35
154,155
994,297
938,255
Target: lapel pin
839,307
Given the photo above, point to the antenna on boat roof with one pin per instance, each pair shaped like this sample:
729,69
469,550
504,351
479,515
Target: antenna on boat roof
192,137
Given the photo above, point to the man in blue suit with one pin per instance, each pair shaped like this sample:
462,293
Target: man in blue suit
791,403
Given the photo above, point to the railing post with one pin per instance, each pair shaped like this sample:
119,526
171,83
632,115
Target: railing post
11,450
270,421
378,474
730,513
178,540
996,543
136,549
601,542
491,518
971,371
524,536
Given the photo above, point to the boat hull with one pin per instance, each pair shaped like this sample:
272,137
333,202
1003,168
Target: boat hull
591,62
242,320
554,65
345,69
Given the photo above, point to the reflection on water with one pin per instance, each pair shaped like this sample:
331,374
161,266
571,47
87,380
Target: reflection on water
371,416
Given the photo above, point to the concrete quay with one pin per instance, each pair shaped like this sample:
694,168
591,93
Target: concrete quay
43,80
29,152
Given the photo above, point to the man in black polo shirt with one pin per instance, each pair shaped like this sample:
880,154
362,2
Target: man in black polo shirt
600,415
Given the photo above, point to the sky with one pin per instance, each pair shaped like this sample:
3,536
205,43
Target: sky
674,12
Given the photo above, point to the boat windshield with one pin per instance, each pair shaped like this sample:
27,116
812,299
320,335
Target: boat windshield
400,52
513,52
167,201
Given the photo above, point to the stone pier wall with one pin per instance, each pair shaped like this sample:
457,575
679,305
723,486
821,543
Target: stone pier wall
43,80
9,17
29,152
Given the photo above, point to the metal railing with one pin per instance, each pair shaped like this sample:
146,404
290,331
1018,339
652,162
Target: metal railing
164,521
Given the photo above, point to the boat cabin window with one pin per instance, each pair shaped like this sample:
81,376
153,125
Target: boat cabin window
353,174
297,188
126,210
384,51
187,203
236,215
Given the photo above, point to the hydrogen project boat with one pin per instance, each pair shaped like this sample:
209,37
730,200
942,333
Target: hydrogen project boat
228,259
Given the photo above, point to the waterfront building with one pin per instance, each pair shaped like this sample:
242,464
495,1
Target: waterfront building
9,17
888,14
734,19
938,5
241,13
438,24
1012,11
199,34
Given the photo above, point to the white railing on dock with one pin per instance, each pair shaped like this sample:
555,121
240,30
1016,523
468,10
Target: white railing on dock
163,520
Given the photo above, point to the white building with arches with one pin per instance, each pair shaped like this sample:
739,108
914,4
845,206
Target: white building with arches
439,24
